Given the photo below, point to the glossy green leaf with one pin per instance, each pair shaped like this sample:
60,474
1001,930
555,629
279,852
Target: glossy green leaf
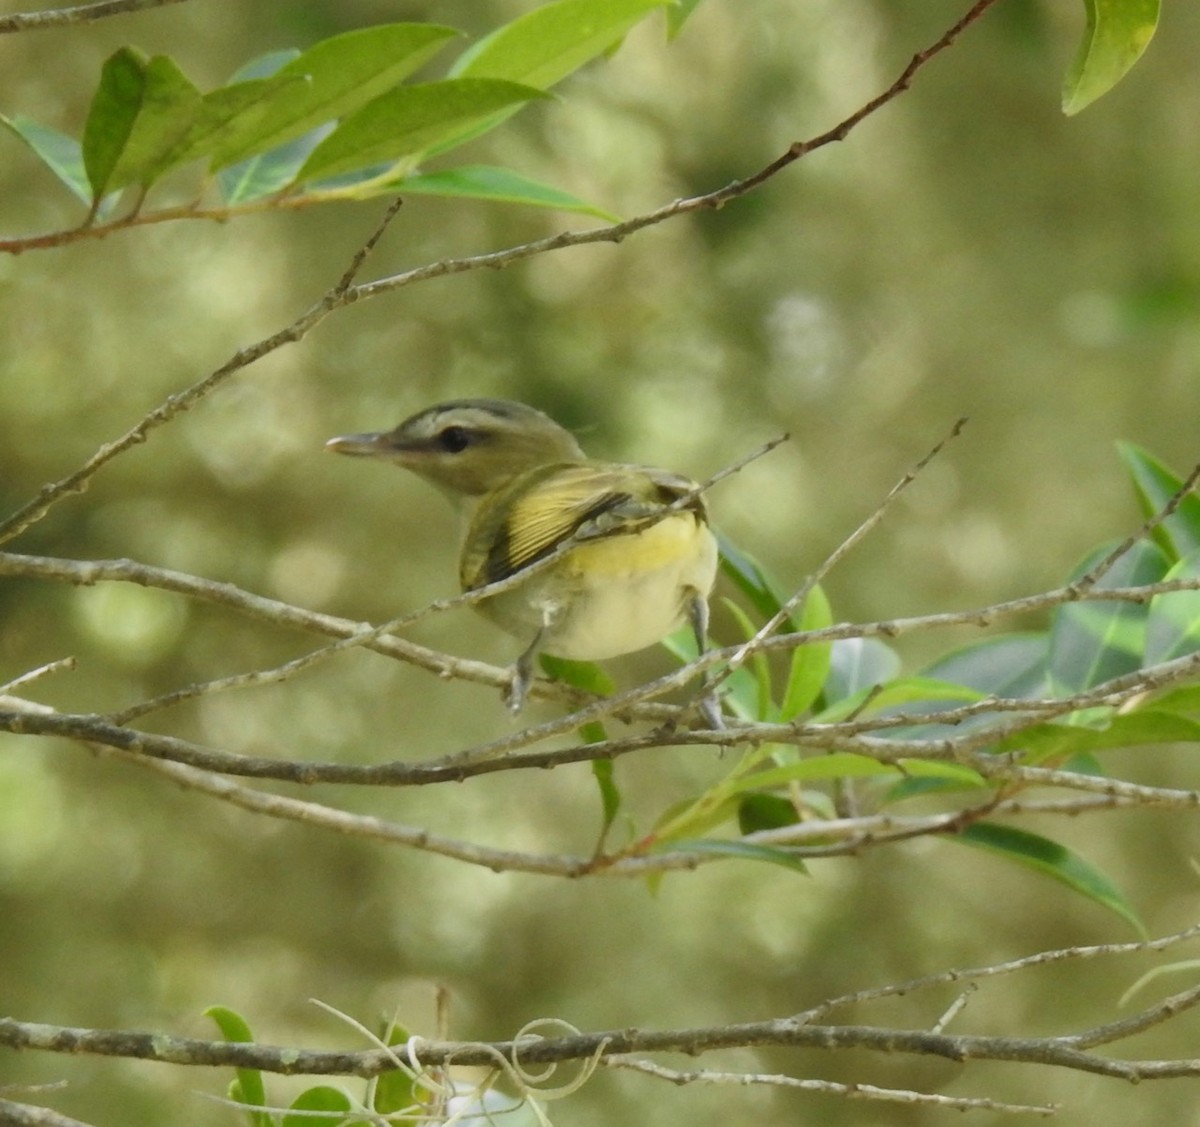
586,675
409,120
169,106
604,772
543,46
857,665
259,176
739,850
236,106
321,1098
810,665
1014,665
1117,33
1142,727
114,109
339,75
268,173
915,695
930,776
752,580
249,1085
751,695
1173,624
501,185
1183,700
1178,534
757,811
61,154
1052,859
694,816
835,765
1092,641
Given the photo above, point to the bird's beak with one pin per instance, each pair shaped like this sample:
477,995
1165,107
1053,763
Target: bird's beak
362,444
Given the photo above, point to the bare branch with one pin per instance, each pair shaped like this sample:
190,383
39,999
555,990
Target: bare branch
82,14
855,1091
1066,1051
13,1114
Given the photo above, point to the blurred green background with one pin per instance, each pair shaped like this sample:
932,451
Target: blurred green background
968,251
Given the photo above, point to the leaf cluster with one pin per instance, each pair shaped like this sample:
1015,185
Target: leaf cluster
337,121
975,689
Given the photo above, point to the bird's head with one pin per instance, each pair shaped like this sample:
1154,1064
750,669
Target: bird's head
468,446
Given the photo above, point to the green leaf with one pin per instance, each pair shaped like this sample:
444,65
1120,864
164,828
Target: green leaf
1093,641
835,765
604,773
1173,624
409,120
1014,665
750,695
115,107
765,812
501,185
249,1083
340,75
810,665
751,579
61,154
321,1098
1144,726
270,172
586,675
931,776
545,45
740,850
857,665
1118,31
1054,860
170,104
395,1090
236,106
1179,534
677,16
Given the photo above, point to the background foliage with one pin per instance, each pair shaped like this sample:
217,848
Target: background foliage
969,251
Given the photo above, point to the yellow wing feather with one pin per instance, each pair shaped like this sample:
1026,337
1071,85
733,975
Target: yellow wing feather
528,517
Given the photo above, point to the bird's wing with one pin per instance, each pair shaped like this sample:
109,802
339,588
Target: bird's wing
528,518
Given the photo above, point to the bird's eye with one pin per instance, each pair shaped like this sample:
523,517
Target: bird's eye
454,439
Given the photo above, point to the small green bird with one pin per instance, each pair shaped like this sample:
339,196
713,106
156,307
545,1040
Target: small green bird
635,568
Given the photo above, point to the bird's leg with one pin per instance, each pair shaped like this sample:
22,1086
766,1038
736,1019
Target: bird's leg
522,674
710,703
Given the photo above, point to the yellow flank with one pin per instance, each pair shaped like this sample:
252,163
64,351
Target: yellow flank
671,540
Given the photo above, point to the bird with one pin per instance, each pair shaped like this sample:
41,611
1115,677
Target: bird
634,556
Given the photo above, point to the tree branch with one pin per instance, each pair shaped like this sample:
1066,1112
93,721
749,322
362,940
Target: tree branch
1067,1050
83,13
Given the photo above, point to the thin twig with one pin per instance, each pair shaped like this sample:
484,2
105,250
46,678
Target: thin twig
1171,506
1067,1050
754,644
854,1091
342,293
83,13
